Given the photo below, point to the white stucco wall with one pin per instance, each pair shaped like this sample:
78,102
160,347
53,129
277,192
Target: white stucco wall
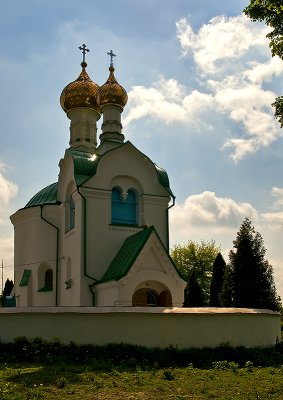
150,327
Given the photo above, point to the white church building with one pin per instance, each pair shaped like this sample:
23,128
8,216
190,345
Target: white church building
100,235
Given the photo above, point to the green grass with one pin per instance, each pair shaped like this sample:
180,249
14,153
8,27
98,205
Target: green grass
73,381
39,370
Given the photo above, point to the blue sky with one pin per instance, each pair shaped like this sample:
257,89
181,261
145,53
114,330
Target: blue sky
200,80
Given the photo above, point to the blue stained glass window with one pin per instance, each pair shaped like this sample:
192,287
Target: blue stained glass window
124,211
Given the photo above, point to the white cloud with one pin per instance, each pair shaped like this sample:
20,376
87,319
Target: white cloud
206,209
221,39
233,46
264,72
274,219
226,44
167,101
249,106
8,189
278,193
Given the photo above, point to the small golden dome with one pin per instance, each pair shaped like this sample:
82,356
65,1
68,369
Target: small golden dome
112,92
80,93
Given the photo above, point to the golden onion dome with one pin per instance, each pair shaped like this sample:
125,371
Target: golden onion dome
80,93
112,92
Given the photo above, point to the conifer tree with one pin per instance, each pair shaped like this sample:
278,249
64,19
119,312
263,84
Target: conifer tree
226,295
253,282
217,280
193,292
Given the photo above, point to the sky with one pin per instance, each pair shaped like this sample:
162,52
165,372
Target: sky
200,80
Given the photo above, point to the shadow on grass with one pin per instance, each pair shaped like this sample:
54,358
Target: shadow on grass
74,359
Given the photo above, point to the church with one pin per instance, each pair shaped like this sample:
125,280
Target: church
99,236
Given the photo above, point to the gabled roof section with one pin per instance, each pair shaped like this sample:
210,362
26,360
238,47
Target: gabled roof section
127,255
85,165
48,195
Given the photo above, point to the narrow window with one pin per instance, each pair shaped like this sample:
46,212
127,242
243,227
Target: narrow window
72,212
48,281
124,207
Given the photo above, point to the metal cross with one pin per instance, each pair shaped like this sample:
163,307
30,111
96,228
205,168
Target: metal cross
84,51
112,55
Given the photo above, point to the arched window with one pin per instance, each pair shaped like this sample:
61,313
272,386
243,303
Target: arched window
72,211
48,280
124,207
145,298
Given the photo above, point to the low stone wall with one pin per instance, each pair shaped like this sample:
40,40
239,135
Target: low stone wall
150,327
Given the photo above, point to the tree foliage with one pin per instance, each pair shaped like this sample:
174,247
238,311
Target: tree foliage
219,267
253,282
271,12
199,258
8,287
226,294
193,292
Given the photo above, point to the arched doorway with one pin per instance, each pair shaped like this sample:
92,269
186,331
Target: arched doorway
145,298
153,295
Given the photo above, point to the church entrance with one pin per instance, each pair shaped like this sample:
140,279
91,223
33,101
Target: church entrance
149,297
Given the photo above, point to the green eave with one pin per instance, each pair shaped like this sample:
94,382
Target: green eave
25,277
163,179
48,195
127,255
85,165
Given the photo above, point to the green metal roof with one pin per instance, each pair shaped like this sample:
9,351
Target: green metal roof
163,179
48,195
85,165
25,277
127,255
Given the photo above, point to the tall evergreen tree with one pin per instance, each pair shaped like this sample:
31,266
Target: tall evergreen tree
217,280
253,282
226,295
193,292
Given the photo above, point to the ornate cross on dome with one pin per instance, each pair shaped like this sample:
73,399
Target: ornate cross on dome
112,55
84,51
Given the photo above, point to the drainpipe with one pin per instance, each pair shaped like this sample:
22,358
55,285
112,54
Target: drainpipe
84,253
57,253
167,218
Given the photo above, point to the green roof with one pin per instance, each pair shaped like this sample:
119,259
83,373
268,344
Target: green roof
85,165
25,277
163,179
48,195
127,255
